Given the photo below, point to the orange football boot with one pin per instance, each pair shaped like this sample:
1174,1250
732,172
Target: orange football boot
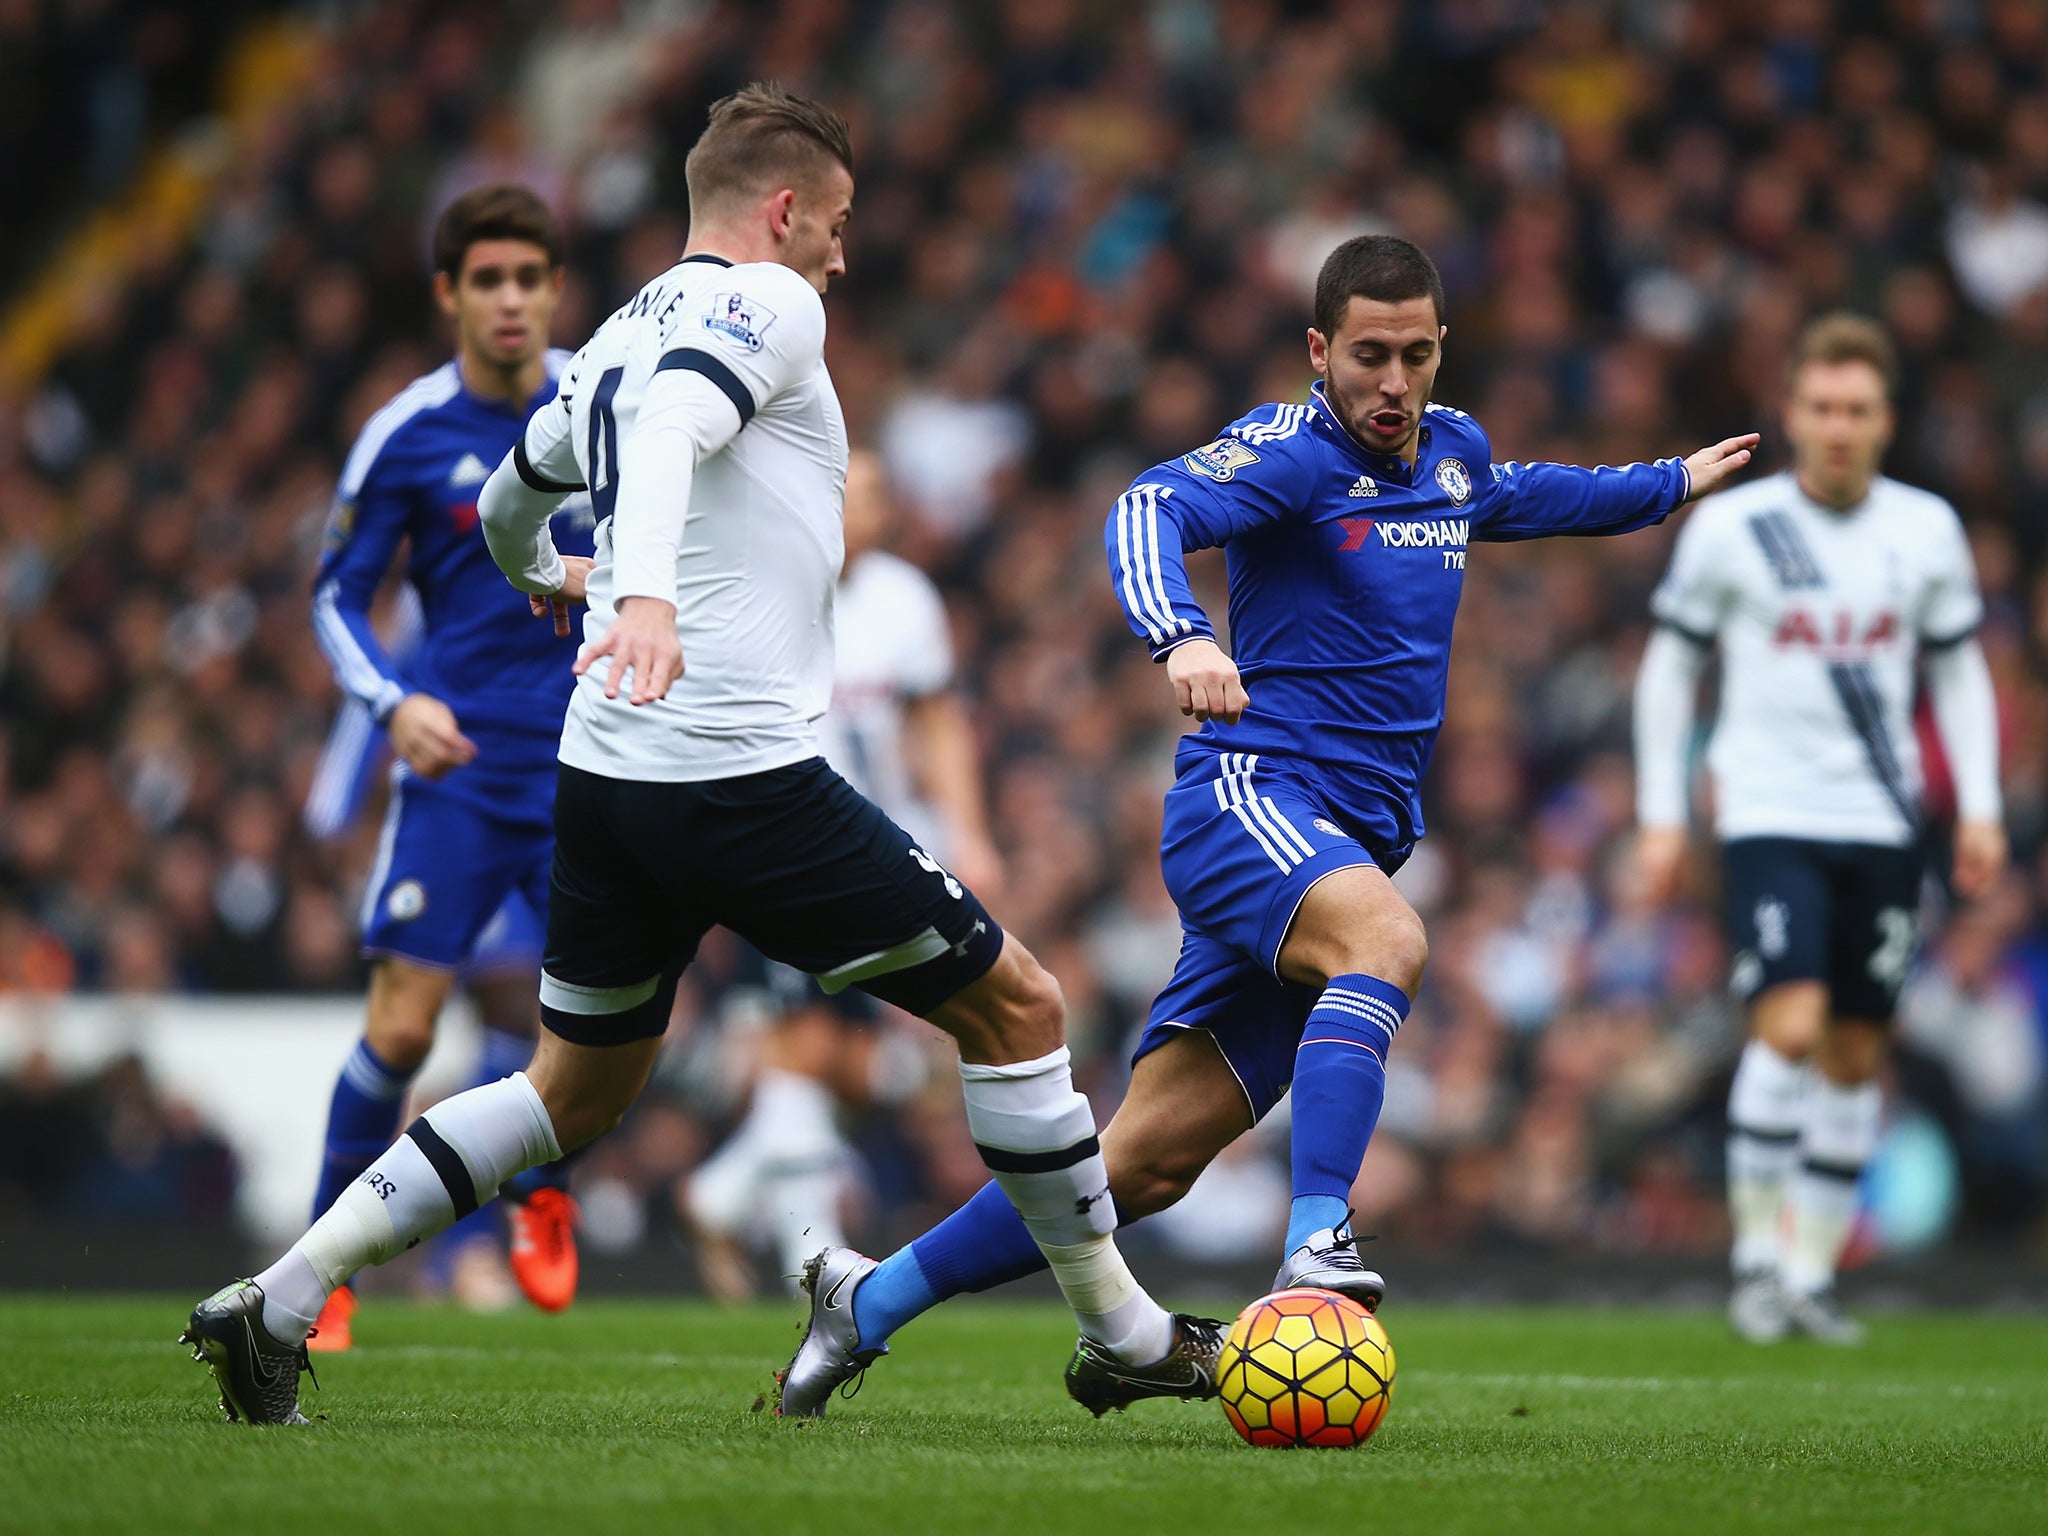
331,1332
544,1248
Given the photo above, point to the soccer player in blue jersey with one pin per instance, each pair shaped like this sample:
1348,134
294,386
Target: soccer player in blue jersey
1345,520
473,713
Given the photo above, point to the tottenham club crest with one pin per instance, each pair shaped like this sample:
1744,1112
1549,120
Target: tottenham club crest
1456,481
739,319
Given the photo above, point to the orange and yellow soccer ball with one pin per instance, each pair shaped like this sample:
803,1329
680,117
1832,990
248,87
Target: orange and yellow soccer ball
1306,1368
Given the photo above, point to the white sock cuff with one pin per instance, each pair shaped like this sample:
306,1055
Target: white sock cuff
1842,1124
1040,1113
1767,1091
1060,1060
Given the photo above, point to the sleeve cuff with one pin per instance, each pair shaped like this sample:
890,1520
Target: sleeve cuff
388,698
1160,652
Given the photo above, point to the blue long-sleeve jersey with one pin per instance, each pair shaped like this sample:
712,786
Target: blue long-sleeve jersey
1345,572
413,477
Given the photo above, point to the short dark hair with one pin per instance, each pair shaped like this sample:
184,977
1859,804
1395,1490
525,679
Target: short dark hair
1842,337
762,139
1383,268
497,210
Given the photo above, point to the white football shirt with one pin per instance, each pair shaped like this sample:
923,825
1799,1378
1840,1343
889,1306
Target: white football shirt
1820,616
892,646
725,365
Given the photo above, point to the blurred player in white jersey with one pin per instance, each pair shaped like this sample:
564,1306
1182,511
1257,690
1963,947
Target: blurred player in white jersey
1828,590
898,732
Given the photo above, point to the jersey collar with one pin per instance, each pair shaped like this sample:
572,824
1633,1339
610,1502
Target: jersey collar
707,257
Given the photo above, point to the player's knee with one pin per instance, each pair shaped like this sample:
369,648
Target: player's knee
401,1036
1394,947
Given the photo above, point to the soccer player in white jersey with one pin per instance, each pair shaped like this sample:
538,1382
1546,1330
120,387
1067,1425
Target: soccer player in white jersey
898,732
1822,587
703,422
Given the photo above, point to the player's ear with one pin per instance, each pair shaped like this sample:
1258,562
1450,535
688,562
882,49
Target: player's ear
782,212
1318,350
444,294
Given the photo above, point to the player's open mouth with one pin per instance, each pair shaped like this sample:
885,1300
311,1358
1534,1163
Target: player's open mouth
1387,423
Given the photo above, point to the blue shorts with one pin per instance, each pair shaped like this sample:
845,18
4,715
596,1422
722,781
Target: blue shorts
1245,838
513,940
446,867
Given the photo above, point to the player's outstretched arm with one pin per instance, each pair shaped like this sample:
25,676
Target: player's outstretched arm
1533,501
1710,468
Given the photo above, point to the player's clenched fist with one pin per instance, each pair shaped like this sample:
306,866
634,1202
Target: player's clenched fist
1705,470
642,641
1205,682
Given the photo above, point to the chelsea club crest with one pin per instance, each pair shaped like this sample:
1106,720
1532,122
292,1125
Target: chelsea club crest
1456,481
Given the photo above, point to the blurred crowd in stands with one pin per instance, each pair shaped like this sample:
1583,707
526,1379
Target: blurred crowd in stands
1083,241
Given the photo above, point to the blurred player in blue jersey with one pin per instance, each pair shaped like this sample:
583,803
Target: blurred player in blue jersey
1345,520
473,714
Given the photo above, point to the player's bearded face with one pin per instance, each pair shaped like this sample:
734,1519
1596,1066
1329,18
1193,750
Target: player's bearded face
1839,422
503,301
1379,368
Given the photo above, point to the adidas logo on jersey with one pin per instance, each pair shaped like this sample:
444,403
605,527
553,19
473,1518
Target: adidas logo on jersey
1364,486
470,470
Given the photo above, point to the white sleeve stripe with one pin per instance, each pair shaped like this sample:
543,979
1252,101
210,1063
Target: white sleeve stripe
1174,624
340,761
358,674
1140,608
423,394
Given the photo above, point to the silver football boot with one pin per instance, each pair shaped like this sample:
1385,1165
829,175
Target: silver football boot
1329,1261
258,1375
1820,1317
830,1355
1758,1308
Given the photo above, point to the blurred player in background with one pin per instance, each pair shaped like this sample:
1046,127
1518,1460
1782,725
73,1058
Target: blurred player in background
473,714
1345,519
1822,586
898,732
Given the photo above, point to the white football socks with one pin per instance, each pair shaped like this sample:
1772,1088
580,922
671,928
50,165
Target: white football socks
1839,1136
449,1161
1036,1133
1764,1110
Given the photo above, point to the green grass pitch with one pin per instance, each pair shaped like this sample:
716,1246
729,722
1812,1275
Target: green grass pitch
638,1417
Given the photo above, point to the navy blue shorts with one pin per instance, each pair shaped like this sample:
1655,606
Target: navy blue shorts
1846,914
446,871
795,861
1244,839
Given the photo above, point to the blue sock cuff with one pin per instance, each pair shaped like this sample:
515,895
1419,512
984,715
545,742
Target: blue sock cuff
371,1076
1358,1010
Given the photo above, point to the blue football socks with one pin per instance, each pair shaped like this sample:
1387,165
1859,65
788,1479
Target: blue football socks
1340,1082
362,1120
982,1245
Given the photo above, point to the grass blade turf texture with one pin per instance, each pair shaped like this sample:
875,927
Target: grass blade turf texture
622,1417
